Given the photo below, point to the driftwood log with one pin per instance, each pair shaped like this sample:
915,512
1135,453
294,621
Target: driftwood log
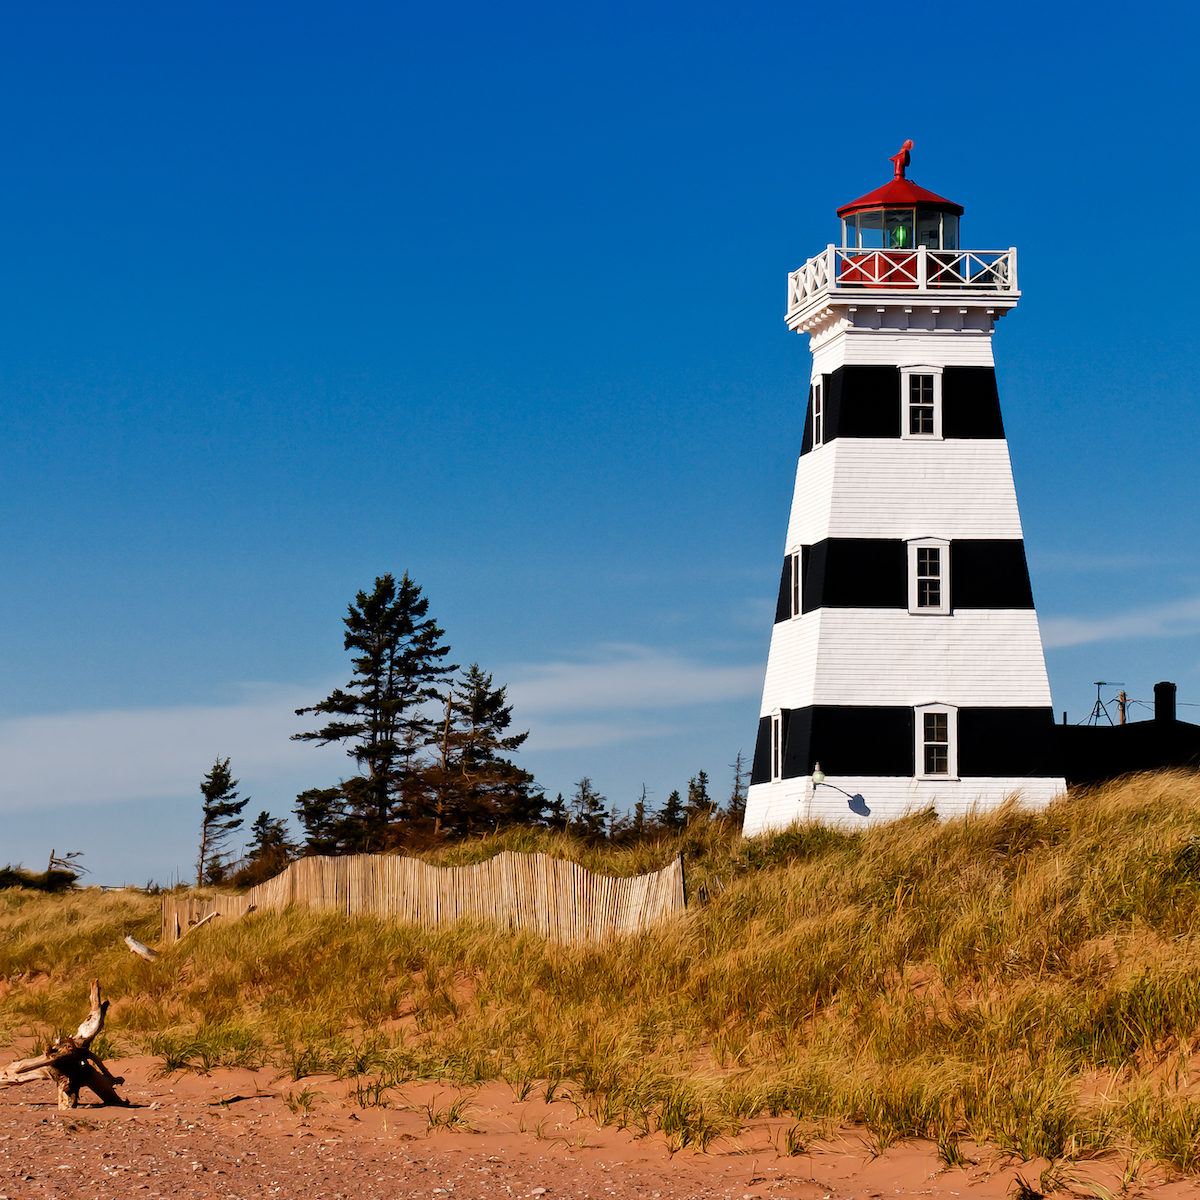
142,949
71,1063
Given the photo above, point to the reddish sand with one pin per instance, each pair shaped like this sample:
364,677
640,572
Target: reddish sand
232,1133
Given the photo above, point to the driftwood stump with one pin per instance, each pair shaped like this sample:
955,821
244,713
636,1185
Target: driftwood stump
71,1063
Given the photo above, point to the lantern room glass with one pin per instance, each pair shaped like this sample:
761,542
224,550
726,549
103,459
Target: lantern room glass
899,229
929,230
870,230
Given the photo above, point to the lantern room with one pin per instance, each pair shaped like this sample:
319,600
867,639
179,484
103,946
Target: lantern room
900,216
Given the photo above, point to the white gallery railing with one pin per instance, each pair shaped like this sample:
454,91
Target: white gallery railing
919,270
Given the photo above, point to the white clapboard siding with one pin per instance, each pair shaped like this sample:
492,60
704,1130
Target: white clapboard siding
982,658
773,806
880,348
893,488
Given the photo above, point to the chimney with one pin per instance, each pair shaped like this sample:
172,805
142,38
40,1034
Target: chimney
1164,702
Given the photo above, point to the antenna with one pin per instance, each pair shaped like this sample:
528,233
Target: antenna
1098,709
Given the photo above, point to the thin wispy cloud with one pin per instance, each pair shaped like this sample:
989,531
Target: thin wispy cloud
581,735
1176,619
134,754
627,677
575,705
621,694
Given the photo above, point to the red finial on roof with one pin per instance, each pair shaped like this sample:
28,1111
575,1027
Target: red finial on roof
900,192
901,160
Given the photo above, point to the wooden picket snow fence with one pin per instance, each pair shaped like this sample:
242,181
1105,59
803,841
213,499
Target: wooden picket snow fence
545,895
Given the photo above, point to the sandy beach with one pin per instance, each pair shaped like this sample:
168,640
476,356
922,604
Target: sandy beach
233,1133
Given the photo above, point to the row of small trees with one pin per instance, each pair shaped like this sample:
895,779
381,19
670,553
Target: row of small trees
431,743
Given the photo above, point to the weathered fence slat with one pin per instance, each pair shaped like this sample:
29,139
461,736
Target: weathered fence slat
550,896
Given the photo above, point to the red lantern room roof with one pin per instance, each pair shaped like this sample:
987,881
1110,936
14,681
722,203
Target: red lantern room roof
900,192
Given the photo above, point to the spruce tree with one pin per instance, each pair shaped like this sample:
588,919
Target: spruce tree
591,816
672,816
699,801
620,828
475,785
322,813
381,713
524,803
270,850
639,814
557,816
269,840
735,810
219,819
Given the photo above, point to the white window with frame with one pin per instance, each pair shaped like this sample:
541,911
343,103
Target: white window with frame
776,746
936,729
797,593
818,411
929,576
921,403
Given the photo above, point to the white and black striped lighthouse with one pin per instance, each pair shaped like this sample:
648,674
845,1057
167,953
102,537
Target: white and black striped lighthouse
906,666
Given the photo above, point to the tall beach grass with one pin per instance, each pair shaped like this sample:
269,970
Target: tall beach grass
1029,979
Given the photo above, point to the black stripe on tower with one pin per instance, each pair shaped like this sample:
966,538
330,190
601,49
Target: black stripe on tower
783,606
856,573
862,402
873,573
1007,741
989,573
879,741
760,768
970,403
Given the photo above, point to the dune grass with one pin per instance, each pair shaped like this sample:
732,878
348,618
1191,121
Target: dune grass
1029,979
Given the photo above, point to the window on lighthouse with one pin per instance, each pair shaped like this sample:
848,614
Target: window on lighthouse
921,403
937,741
818,409
929,576
776,747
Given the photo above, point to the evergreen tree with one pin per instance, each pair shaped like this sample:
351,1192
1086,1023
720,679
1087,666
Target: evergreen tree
556,813
735,810
381,712
523,804
415,790
322,813
269,852
269,840
219,819
475,785
620,828
639,815
588,805
672,816
699,801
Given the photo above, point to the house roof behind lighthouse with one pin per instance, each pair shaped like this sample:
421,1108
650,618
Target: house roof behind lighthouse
900,192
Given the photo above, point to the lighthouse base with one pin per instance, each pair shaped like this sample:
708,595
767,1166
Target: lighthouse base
853,802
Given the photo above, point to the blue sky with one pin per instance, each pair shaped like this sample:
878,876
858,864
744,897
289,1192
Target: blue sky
291,296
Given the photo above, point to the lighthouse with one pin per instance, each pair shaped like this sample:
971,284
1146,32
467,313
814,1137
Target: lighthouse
905,669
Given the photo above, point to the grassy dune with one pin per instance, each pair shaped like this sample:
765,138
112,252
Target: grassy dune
1028,979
